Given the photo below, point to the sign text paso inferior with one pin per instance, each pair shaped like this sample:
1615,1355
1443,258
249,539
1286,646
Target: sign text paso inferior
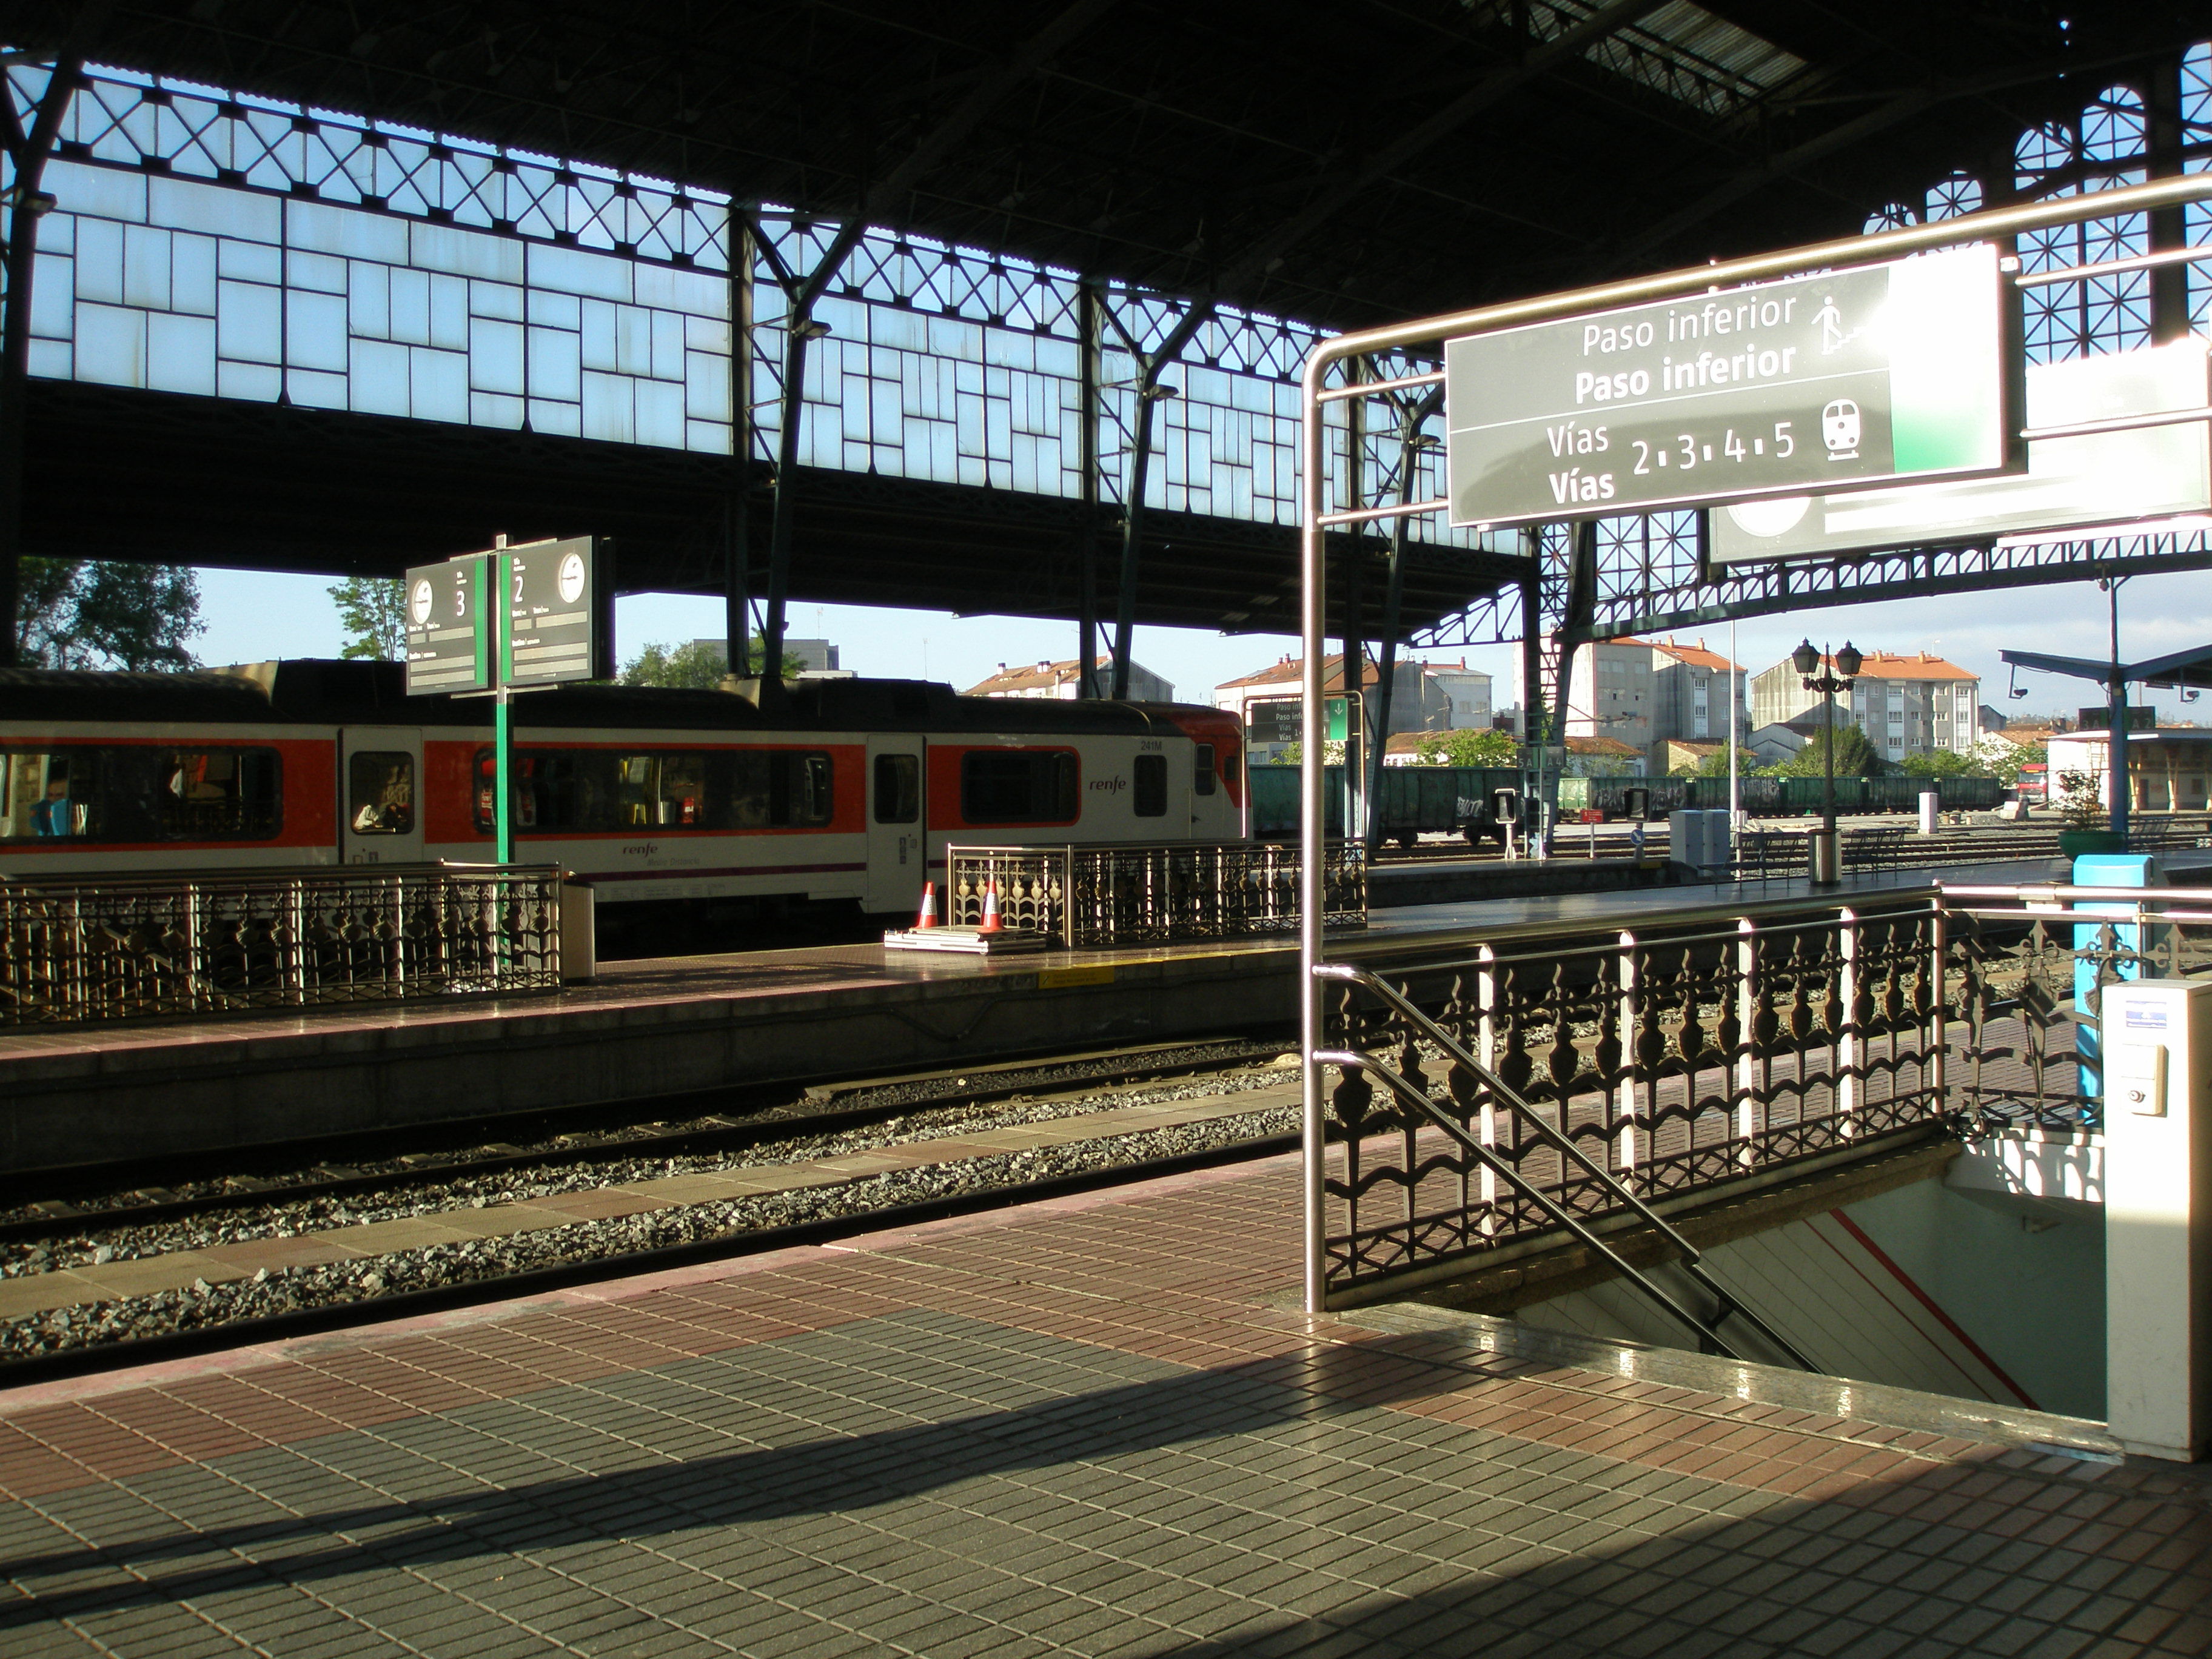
1843,380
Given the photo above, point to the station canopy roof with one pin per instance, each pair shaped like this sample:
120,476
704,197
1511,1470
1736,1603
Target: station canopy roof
1342,164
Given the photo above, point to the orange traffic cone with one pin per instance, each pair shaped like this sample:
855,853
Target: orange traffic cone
990,924
928,916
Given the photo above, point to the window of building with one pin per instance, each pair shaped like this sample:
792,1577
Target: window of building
1018,785
380,792
1151,786
898,788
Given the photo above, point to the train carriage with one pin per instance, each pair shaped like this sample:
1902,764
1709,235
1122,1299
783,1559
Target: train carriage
843,792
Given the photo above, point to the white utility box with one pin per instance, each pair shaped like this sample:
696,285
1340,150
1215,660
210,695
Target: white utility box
2158,1215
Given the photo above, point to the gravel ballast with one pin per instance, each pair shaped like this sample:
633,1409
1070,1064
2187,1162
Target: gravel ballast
294,1290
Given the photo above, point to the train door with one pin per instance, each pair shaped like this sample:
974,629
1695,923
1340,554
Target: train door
380,795
898,856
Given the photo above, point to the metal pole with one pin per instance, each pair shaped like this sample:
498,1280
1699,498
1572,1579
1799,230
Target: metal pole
503,714
737,547
1087,625
796,333
1133,530
2116,711
1829,758
1313,572
1736,785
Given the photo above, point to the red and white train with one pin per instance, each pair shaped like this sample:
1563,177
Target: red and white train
848,794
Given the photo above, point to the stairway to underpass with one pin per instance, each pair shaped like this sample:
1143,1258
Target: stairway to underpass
1859,1142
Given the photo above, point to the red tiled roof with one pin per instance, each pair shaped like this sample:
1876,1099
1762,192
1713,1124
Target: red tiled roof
1695,655
1290,668
1920,666
1030,676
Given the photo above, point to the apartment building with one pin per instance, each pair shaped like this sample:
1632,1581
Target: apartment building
1906,703
1062,681
1649,692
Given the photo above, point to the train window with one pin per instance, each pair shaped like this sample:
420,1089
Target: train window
1151,786
380,792
44,795
597,791
1202,781
1018,785
219,795
799,789
898,788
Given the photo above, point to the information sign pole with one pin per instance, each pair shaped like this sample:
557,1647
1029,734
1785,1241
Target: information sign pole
502,705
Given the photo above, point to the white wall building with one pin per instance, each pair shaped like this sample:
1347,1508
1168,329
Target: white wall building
1906,705
1062,681
1645,692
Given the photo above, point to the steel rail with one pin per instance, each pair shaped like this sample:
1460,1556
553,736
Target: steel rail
1313,481
406,1305
1693,1260
703,1130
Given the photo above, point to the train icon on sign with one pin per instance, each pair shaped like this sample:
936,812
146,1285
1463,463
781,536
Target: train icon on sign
1839,430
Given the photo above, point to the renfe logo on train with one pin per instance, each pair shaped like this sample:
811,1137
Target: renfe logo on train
1838,381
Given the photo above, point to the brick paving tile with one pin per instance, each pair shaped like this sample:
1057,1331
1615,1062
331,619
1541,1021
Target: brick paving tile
866,1447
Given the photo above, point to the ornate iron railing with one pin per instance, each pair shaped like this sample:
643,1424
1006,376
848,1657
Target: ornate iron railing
1144,894
2041,957
1676,1060
77,951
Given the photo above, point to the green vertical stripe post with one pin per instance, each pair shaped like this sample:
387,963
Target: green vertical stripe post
502,709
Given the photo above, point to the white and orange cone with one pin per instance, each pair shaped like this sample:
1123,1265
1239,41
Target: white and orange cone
990,923
928,916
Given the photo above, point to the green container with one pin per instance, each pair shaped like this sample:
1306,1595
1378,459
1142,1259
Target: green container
2072,843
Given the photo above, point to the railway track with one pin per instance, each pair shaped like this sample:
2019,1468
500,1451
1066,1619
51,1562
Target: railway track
849,1156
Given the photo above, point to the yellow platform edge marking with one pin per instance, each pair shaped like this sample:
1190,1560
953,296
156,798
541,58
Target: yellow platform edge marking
1094,973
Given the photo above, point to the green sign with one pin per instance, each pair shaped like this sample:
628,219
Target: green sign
2140,718
515,619
1840,381
558,608
449,648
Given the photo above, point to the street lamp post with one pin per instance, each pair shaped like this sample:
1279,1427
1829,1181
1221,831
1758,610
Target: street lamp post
1825,866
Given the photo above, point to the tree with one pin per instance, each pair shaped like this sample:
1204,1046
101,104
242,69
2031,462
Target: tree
373,613
1854,756
695,666
1467,748
1939,763
88,613
1715,765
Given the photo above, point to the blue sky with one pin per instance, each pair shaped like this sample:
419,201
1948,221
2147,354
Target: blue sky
251,616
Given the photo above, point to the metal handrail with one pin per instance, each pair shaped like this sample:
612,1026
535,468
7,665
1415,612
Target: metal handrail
1525,1114
1353,1059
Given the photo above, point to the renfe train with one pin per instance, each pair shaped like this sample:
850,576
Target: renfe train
846,792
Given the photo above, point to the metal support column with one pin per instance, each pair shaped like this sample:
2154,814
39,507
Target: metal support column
26,203
798,328
737,529
1149,391
1412,417
1091,307
2169,284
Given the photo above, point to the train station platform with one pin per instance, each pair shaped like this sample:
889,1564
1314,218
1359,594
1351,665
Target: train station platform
683,1025
1095,1427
